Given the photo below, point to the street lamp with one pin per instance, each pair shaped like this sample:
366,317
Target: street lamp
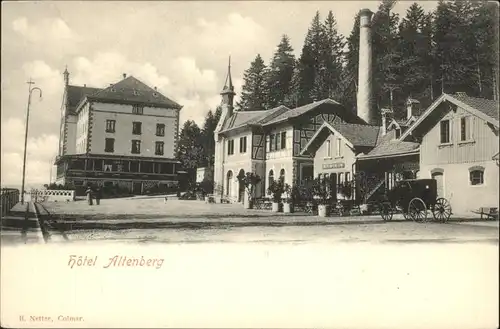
26,132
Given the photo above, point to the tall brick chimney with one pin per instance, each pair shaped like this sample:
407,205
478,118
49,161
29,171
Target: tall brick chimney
365,106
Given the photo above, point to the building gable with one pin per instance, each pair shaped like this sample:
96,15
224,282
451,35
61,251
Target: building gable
443,105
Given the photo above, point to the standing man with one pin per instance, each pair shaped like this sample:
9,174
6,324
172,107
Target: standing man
89,194
98,195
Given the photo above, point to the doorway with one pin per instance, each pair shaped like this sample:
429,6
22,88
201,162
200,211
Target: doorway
439,177
137,188
229,180
241,187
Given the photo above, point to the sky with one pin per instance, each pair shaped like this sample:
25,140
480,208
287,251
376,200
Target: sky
182,48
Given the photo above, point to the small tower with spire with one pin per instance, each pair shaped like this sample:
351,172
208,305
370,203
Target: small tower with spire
227,92
66,76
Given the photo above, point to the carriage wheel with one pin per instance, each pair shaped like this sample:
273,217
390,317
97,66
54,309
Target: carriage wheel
386,211
441,210
403,210
417,210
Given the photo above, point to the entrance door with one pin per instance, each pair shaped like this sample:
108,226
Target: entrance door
241,187
137,188
333,185
307,173
438,176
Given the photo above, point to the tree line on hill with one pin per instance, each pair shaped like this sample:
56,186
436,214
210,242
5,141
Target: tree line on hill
421,55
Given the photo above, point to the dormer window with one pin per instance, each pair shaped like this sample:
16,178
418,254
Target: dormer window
155,95
137,109
113,90
136,93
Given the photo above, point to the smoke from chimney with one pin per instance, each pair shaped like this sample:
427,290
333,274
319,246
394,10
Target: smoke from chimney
365,106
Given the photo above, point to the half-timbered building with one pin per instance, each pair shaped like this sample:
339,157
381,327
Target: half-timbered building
268,143
123,135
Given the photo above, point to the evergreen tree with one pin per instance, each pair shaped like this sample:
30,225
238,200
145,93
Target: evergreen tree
330,60
291,99
309,63
414,47
350,71
208,141
281,69
386,58
190,148
484,37
254,93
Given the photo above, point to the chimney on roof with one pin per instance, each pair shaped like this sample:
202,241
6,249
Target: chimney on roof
85,85
384,120
124,75
365,106
412,108
156,88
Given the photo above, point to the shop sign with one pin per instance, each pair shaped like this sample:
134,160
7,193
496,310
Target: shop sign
333,165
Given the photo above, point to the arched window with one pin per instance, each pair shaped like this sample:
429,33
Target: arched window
282,176
271,177
476,175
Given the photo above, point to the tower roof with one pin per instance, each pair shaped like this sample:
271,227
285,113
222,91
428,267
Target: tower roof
228,84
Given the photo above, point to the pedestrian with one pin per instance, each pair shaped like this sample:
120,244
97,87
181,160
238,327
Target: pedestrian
89,195
98,195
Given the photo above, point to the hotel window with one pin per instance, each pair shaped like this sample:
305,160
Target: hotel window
476,176
110,126
445,131
283,140
109,145
465,129
347,176
339,147
136,146
136,128
277,141
271,142
159,148
328,149
243,144
230,147
160,129
137,109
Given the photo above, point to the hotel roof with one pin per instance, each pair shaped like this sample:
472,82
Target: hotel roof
129,89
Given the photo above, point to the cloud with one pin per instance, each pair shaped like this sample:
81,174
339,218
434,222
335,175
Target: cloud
48,79
180,79
53,29
41,151
51,36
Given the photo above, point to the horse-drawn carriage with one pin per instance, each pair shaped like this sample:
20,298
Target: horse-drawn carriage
414,198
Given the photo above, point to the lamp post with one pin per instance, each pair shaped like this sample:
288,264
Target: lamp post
30,83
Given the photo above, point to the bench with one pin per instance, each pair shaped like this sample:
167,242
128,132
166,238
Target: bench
489,212
262,204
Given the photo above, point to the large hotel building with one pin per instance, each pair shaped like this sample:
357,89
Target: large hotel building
123,135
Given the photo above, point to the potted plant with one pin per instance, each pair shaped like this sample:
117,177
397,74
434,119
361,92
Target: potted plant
345,190
276,190
289,197
249,181
322,193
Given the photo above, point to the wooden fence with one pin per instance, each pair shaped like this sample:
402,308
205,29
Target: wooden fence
9,198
